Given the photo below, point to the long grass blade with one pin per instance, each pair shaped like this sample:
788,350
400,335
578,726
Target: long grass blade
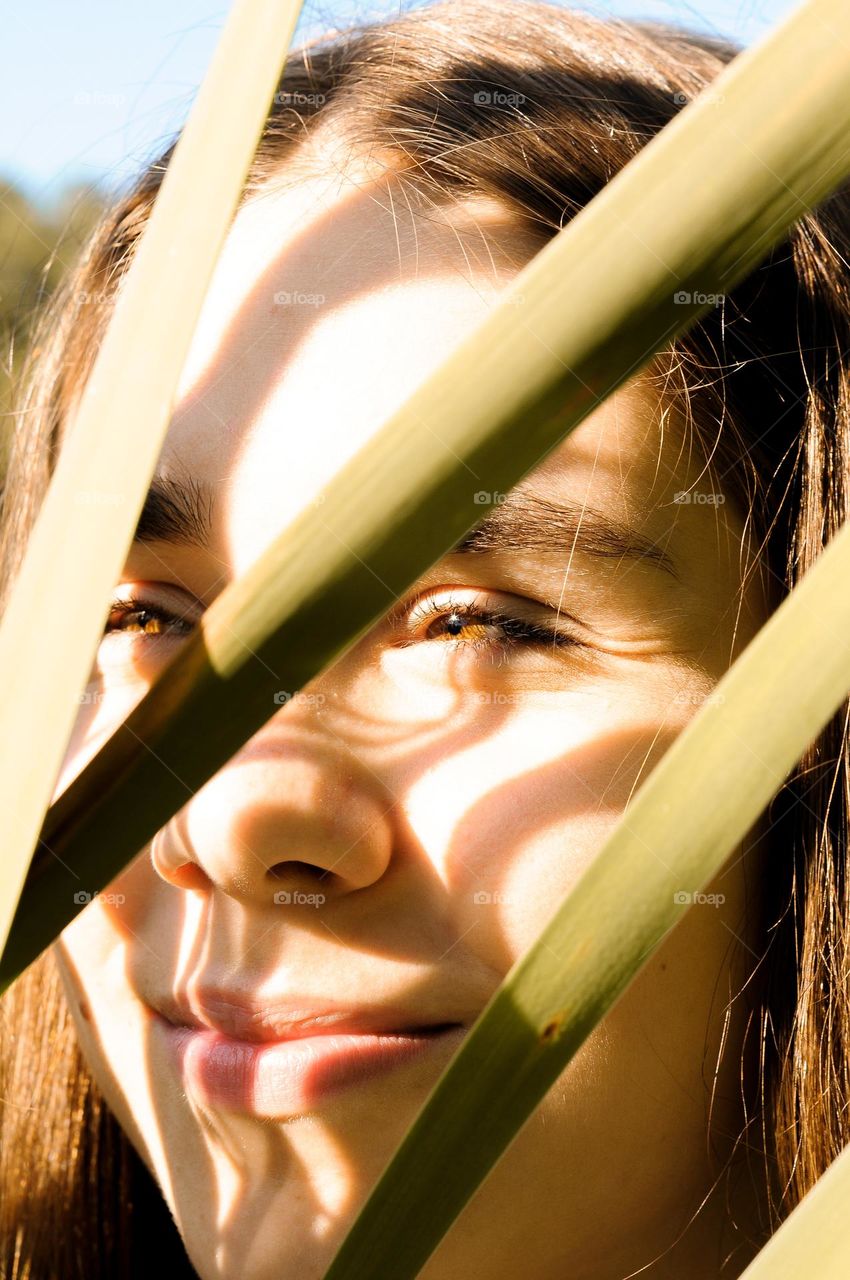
89,514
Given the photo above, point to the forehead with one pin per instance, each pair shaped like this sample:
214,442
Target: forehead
330,303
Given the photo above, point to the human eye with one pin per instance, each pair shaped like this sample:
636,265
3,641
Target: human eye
140,616
481,624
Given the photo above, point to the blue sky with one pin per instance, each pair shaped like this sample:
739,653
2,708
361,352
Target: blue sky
91,89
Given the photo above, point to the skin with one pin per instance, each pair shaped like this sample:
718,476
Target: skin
415,793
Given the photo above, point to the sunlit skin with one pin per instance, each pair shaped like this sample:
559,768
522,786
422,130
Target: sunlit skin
429,773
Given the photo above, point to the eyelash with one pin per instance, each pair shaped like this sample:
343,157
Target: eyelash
517,632
128,606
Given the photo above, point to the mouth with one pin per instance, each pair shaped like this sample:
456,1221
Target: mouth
286,1077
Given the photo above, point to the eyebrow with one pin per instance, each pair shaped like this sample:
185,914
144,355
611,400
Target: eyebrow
180,512
176,511
527,521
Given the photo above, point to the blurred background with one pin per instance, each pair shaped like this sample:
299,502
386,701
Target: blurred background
92,90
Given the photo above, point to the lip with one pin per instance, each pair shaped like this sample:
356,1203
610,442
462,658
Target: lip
242,1016
286,1077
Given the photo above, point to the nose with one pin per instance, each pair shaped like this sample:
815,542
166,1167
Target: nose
290,814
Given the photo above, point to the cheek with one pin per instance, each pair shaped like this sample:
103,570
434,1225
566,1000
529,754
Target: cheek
104,703
512,821
93,947
111,1028
93,954
675,1036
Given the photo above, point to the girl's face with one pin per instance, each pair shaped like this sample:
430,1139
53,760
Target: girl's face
397,834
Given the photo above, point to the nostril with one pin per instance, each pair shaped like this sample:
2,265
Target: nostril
293,867
189,876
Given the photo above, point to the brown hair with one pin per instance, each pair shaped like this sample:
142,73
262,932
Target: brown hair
538,107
